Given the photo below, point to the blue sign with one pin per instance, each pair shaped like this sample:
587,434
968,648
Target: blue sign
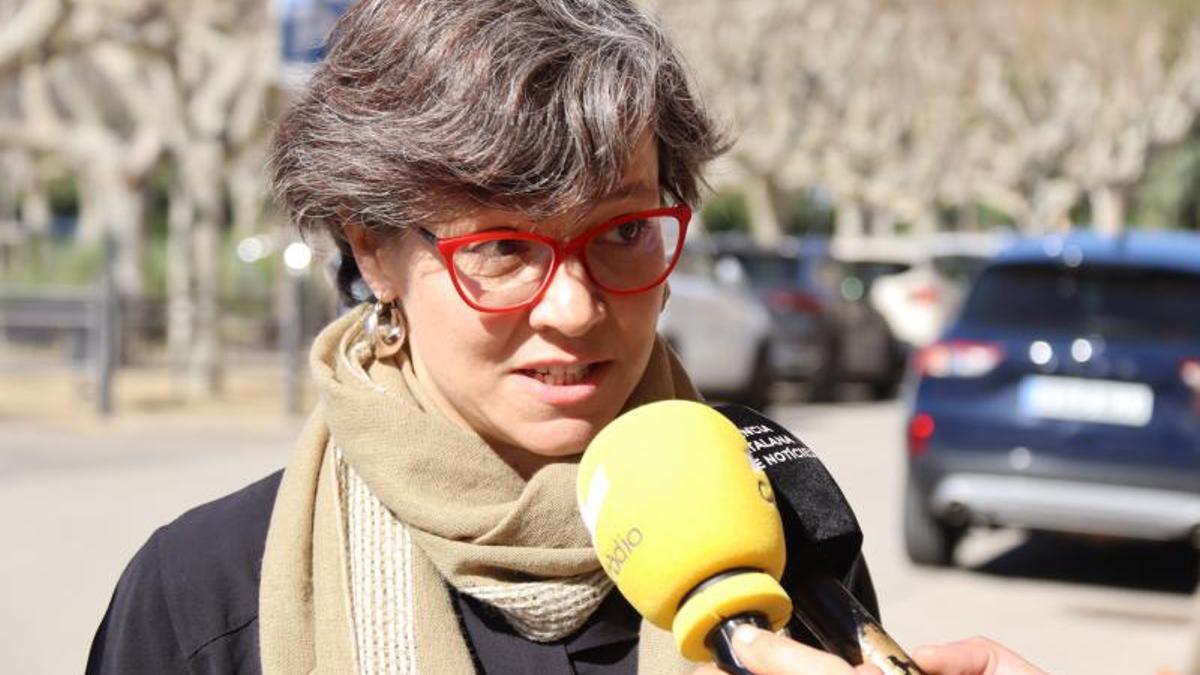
305,26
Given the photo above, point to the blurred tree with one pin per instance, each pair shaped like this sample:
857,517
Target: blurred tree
1086,95
805,212
63,108
905,110
113,88
726,213
1168,197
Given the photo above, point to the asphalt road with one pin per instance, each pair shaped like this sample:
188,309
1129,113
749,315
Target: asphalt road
1072,607
76,501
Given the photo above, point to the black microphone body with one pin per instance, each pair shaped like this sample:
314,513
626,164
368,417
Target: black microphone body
824,546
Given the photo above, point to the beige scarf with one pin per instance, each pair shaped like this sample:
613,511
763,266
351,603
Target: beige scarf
386,500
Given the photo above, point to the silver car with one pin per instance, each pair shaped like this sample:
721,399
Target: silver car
720,330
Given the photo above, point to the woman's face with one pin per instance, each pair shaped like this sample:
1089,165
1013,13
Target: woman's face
482,369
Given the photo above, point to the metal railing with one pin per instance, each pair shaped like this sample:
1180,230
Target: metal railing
91,317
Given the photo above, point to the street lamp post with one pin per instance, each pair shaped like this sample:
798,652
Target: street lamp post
297,258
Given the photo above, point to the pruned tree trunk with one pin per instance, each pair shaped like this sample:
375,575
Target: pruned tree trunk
126,209
180,281
1052,203
202,170
763,202
247,194
925,222
1108,209
849,223
883,223
205,376
35,209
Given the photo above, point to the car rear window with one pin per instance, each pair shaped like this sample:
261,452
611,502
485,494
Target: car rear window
1112,301
870,270
959,268
769,270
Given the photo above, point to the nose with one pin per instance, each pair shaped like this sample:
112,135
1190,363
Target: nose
571,304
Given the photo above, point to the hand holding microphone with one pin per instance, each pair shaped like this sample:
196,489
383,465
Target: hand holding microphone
685,526
768,654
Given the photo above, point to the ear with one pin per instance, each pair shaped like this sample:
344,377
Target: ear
371,256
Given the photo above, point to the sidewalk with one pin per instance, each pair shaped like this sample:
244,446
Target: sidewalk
79,494
39,390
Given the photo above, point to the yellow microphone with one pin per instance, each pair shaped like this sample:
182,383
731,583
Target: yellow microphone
685,525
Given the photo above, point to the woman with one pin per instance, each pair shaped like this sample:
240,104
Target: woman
509,183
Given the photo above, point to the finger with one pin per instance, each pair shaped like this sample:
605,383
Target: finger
708,669
766,653
973,656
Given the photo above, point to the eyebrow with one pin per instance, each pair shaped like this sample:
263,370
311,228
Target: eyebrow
628,190
622,192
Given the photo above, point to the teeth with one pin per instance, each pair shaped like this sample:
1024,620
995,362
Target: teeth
560,375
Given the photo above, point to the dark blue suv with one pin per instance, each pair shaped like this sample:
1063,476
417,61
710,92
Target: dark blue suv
1066,396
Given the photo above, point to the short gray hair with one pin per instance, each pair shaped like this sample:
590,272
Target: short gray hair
424,109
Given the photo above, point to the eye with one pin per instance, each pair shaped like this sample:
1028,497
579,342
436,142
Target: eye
498,248
628,233
495,258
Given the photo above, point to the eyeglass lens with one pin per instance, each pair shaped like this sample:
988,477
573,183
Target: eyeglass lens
625,256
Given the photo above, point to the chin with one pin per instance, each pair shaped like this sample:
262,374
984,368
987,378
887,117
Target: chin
558,438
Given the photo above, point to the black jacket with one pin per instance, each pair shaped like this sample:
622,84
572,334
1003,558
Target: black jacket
188,603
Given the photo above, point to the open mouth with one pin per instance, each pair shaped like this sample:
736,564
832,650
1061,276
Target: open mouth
560,376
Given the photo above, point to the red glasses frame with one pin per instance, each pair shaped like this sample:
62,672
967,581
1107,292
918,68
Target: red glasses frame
562,249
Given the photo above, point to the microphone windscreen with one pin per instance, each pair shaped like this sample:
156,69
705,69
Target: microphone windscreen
673,502
823,533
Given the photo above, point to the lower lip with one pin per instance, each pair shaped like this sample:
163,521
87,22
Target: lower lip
565,394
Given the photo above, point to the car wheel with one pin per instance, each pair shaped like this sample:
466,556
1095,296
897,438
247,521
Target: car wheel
927,540
882,391
889,386
757,391
822,386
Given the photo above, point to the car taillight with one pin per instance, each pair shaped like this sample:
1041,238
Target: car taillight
1189,372
958,358
926,294
920,430
793,301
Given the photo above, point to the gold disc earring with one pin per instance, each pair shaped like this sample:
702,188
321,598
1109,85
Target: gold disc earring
386,329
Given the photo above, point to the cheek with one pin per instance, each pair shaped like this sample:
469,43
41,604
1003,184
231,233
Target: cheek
449,335
463,352
636,325
638,314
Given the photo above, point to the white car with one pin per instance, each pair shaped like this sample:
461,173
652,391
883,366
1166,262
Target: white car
720,330
919,302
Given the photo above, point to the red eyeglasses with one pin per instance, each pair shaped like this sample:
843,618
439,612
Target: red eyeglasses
504,271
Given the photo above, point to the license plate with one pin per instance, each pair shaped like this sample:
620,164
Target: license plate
1128,404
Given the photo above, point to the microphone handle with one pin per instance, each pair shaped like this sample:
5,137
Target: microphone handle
844,627
720,641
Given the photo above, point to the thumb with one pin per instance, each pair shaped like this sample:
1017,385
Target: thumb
974,656
765,653
958,658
